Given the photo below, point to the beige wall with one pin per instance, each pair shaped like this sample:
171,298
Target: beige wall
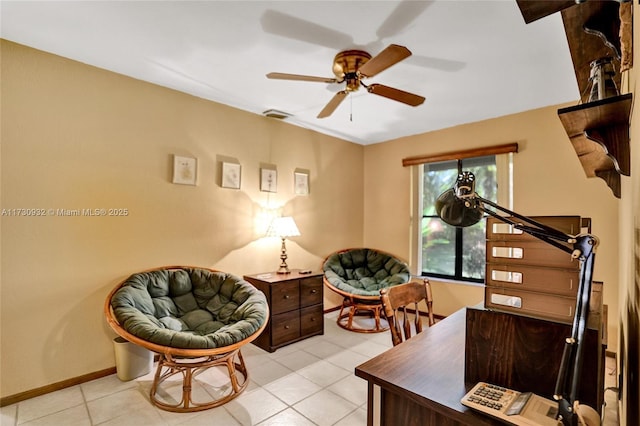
77,137
629,294
548,180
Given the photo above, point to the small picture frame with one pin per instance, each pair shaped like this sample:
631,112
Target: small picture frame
185,170
301,183
268,180
231,173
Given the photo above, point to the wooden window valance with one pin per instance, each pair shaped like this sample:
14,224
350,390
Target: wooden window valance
459,155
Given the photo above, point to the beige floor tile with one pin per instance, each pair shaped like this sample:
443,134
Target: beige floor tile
356,418
51,403
297,360
288,417
251,408
120,405
351,388
347,339
105,386
268,372
9,415
136,418
347,359
323,373
371,349
323,349
214,417
324,408
75,416
292,388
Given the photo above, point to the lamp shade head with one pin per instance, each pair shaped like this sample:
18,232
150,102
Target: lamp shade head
283,227
458,206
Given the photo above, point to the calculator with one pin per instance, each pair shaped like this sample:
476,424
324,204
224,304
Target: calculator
512,407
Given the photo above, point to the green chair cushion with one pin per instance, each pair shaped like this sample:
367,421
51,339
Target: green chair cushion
364,271
189,308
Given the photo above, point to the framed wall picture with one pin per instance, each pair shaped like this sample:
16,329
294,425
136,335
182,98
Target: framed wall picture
268,180
185,170
301,183
231,175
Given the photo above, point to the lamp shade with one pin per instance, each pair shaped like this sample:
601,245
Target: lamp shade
455,211
283,227
457,206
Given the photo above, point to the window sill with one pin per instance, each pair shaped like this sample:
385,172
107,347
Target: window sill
450,281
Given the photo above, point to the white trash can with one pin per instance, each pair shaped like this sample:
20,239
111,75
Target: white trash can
131,360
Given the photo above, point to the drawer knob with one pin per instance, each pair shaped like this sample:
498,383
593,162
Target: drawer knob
286,327
286,296
314,291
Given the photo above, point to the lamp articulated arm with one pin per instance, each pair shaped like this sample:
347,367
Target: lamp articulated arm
461,206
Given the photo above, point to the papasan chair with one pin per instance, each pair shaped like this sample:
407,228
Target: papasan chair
194,318
358,275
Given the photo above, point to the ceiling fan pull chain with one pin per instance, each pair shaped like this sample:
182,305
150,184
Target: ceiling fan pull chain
351,108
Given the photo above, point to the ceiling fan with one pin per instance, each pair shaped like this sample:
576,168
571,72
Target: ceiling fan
350,67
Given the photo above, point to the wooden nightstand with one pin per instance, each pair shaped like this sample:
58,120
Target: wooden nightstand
295,307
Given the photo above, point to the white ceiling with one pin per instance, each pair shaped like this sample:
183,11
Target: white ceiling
472,60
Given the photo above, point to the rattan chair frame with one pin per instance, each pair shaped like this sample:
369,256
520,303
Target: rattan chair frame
188,362
359,305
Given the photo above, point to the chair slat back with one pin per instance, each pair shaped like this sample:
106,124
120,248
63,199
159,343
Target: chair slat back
400,305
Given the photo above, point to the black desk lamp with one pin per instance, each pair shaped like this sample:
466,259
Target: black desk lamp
461,206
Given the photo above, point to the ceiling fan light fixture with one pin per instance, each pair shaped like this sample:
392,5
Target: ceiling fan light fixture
353,81
350,67
349,62
274,113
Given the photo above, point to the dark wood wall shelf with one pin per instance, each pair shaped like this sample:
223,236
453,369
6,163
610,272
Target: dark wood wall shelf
599,130
599,133
593,32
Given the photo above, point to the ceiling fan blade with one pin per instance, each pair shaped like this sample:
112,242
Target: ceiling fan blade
333,104
298,77
395,94
391,55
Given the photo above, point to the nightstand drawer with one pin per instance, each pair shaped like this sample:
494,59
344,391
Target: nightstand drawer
285,296
311,320
310,291
285,327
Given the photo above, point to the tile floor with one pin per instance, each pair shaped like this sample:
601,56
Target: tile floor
304,384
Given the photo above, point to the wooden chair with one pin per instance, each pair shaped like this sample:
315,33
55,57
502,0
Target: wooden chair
396,304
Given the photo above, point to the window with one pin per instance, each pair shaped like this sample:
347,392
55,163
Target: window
447,251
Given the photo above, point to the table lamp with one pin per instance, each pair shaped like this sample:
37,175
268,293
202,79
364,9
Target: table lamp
283,227
461,206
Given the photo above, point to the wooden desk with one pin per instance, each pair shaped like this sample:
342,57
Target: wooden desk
422,380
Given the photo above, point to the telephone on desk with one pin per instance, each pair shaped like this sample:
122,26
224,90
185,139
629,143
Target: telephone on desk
521,408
